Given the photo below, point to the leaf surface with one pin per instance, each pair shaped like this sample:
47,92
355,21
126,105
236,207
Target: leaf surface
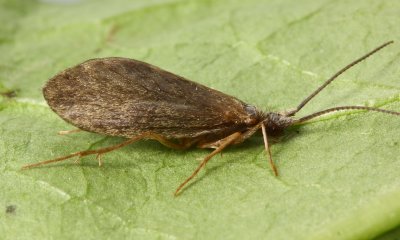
339,175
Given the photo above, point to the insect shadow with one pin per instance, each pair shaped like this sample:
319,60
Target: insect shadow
135,100
9,93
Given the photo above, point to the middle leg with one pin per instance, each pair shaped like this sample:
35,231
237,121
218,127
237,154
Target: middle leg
223,143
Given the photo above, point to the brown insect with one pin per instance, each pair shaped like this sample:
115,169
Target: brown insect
136,100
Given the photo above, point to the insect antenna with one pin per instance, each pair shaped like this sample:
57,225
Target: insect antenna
335,109
312,95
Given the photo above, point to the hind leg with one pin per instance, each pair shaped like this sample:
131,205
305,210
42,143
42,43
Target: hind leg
99,152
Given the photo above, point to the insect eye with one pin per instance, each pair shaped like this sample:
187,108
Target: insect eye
251,110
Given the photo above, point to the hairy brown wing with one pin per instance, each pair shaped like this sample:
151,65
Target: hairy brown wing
124,97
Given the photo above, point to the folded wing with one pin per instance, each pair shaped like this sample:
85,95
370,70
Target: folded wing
125,97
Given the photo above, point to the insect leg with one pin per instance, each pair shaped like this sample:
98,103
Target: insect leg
268,150
239,140
248,134
164,141
98,152
224,143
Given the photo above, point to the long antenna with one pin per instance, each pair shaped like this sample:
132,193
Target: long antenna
335,109
306,100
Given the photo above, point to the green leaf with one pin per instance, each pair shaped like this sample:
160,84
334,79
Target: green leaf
339,175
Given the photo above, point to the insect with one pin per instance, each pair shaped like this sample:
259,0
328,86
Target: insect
132,99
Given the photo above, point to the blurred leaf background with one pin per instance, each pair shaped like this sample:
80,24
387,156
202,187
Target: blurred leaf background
339,174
